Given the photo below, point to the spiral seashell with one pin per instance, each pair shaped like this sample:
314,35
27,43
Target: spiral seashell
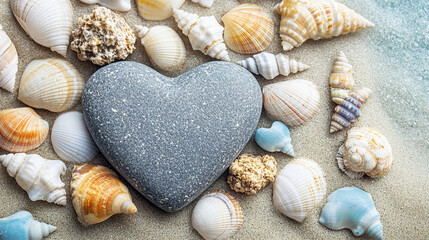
71,139
98,194
270,66
157,10
21,129
348,110
204,3
39,177
217,215
293,102
365,151
52,84
341,80
275,139
204,33
53,30
21,225
164,46
8,62
119,5
352,208
316,19
299,188
248,29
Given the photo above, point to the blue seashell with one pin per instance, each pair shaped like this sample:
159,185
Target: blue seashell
275,139
352,208
22,226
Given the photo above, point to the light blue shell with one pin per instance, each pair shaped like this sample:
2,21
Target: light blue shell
275,139
22,226
352,208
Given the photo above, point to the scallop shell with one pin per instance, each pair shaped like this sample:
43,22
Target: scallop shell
341,80
299,188
97,194
316,19
164,46
205,34
48,22
204,3
39,177
52,84
365,151
275,139
217,215
293,102
21,129
352,208
8,62
157,10
270,66
21,225
71,139
248,29
119,5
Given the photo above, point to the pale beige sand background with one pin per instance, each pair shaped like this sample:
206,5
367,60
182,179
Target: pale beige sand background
401,196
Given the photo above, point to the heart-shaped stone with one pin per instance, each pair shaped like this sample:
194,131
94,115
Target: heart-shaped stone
171,138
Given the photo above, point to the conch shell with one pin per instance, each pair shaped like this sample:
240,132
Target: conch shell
341,80
157,10
8,62
120,5
275,139
21,225
316,19
204,3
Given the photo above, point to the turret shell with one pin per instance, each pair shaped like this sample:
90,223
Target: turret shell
157,10
341,80
21,225
8,62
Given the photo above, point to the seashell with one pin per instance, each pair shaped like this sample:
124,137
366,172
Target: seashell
205,33
217,215
365,151
316,19
275,139
341,80
38,176
164,46
95,202
352,208
53,29
8,62
293,102
21,129
270,66
52,84
21,225
157,10
119,5
348,110
71,139
248,29
204,3
299,188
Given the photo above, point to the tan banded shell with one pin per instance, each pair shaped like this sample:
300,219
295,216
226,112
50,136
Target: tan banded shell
341,80
157,10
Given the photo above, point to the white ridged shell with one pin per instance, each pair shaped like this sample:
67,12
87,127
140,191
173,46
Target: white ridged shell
8,62
157,10
204,3
120,5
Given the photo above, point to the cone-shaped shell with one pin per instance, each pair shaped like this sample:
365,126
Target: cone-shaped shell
120,5
204,3
158,9
299,188
248,29
97,194
52,84
48,22
275,139
293,102
365,151
8,62
21,129
352,208
217,215
21,225
316,19
39,177
341,80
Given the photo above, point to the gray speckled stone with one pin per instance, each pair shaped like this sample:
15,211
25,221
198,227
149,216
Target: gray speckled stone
171,138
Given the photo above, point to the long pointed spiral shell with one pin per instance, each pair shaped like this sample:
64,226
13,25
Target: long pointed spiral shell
205,33
204,3
120,5
341,80
39,177
316,19
21,225
8,62
157,10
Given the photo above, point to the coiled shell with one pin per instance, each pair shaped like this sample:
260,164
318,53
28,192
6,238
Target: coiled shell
293,102
21,225
48,22
21,129
275,139
341,80
248,29
205,34
204,3
299,188
97,194
352,208
217,215
365,151
71,139
39,177
52,84
120,5
157,10
8,62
